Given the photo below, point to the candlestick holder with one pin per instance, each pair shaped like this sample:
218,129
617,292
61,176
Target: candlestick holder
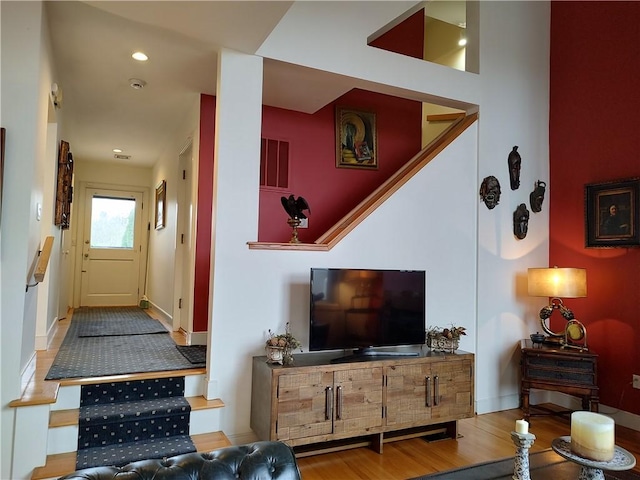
523,442
294,223
591,469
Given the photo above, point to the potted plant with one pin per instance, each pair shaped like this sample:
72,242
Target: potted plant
444,339
279,347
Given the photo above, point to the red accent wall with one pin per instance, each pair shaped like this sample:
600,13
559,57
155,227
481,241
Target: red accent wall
203,223
332,192
594,104
407,38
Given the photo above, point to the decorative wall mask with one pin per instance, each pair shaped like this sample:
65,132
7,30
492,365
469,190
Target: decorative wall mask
537,196
520,221
490,192
514,160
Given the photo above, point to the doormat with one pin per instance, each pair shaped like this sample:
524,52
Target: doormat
113,321
196,354
80,357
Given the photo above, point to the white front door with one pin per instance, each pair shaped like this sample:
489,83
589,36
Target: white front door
111,248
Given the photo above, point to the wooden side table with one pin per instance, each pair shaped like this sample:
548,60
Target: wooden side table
551,367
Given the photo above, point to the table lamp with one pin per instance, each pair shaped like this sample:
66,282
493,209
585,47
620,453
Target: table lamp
557,283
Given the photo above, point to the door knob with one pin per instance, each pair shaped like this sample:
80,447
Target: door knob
86,255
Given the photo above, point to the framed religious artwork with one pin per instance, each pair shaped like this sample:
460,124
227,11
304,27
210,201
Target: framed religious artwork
356,139
612,216
161,200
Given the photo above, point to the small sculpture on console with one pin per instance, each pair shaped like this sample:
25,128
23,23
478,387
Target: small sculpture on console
295,209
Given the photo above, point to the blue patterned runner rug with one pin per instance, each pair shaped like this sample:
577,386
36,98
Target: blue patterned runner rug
122,422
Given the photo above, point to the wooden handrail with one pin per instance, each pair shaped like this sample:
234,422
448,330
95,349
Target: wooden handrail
383,192
43,260
402,176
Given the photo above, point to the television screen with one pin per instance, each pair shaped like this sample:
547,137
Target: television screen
357,309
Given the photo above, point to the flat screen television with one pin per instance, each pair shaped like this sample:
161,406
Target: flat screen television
362,309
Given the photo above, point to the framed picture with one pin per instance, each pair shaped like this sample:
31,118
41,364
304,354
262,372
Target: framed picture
612,216
161,200
356,139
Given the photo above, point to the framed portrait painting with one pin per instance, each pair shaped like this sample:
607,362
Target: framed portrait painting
356,139
612,216
161,200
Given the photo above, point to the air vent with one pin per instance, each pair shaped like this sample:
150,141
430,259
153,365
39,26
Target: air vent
119,156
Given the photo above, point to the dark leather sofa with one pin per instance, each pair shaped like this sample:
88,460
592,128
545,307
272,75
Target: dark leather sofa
255,461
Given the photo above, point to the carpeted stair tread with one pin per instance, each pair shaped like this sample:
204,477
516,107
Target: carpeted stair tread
135,410
107,393
124,453
120,422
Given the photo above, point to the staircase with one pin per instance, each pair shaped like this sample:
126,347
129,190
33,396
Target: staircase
121,422
67,432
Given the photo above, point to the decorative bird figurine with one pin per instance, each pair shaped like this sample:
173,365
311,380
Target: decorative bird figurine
295,206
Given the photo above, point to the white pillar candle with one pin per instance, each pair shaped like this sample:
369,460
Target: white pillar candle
522,426
592,436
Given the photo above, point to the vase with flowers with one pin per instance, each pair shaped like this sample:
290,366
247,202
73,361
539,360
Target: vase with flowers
280,347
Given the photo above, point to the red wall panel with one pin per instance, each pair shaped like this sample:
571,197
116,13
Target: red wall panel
406,38
332,192
595,48
205,204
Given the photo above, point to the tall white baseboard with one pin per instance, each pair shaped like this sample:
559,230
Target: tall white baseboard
625,419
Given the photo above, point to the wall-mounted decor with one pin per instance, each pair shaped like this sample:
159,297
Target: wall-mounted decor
521,221
611,213
2,137
161,200
490,192
537,196
356,139
64,188
514,161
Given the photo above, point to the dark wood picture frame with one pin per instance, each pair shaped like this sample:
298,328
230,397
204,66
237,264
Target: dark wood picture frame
161,201
356,139
64,187
612,216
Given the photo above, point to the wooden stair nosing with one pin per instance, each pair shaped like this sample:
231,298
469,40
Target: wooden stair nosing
64,463
64,418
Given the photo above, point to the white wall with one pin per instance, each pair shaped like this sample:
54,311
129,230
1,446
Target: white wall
474,263
161,279
26,80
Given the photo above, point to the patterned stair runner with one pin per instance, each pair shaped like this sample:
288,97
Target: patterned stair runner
127,421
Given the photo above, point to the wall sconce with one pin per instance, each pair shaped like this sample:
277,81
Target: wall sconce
557,283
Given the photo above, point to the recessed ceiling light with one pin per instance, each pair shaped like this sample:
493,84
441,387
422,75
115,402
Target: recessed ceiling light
117,150
137,83
140,56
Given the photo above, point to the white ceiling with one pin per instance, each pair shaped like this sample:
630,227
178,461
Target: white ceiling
92,47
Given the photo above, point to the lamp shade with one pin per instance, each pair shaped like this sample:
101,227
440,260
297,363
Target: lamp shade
557,282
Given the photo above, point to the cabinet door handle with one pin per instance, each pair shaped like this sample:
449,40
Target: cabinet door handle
436,387
339,402
328,404
427,381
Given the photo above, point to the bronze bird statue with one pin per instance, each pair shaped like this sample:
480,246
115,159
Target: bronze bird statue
295,206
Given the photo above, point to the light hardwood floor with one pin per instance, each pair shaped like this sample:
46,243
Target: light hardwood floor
482,438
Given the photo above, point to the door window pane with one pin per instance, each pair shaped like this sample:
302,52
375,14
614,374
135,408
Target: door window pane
112,221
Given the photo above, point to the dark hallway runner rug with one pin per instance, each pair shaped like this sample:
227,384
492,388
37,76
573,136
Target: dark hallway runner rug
109,321
545,465
115,355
